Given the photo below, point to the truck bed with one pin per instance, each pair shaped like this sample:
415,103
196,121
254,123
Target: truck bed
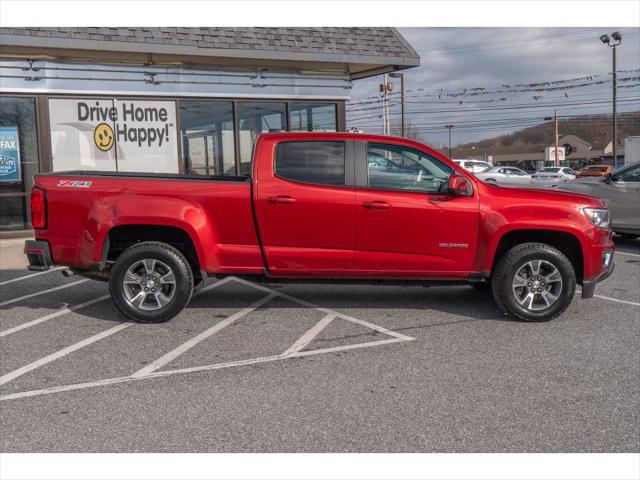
215,211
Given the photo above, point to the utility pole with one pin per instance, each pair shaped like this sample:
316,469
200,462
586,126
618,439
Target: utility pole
401,76
555,116
449,127
385,88
617,40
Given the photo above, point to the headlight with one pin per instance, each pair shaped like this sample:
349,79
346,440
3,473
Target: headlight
598,216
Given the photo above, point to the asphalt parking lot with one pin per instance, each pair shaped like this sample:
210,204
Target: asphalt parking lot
308,368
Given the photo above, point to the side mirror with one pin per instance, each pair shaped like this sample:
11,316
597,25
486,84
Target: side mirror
459,186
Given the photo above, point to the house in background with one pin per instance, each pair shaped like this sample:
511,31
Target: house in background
180,100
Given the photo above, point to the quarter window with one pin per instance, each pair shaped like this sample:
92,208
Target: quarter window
320,163
400,168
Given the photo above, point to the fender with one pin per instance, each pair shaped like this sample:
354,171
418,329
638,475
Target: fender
132,209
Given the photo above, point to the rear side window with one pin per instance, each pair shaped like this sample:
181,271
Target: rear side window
320,163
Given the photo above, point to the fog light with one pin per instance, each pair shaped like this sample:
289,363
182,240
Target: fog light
606,259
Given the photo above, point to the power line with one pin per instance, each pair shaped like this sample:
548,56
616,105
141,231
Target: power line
510,107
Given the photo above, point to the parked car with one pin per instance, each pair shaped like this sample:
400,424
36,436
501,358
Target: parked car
315,208
595,171
553,175
621,191
474,166
505,175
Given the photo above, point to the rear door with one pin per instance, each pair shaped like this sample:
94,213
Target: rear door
408,224
305,206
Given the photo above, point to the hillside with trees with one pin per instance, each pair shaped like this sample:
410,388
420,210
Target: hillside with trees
595,129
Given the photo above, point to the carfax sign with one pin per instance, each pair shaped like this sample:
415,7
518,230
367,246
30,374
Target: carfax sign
9,155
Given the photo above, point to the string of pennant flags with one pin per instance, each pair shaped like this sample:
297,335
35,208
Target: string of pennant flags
536,87
395,101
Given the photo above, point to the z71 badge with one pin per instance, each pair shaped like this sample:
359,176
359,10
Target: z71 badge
74,183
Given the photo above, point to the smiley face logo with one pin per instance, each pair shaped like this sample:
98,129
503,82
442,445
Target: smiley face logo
103,136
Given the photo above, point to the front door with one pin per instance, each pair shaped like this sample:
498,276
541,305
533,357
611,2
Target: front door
407,223
305,208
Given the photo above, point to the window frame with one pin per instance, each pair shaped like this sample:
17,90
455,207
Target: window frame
349,162
362,170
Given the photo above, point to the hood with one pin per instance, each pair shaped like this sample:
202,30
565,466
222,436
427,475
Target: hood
579,195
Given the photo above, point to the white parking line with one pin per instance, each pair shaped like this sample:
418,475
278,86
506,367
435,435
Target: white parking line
42,292
312,333
305,303
291,352
61,353
204,368
611,299
24,277
626,302
176,352
627,253
51,316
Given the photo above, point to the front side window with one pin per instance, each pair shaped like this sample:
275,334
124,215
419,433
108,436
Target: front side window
399,168
321,163
207,137
255,118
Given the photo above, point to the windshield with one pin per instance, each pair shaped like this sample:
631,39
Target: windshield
550,170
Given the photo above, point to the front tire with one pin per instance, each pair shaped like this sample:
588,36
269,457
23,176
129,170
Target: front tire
534,282
151,282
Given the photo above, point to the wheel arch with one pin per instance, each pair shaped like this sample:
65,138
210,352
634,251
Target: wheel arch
567,243
121,237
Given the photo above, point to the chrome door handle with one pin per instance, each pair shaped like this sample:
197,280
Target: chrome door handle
377,205
282,200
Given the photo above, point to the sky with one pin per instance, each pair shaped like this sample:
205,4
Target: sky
454,59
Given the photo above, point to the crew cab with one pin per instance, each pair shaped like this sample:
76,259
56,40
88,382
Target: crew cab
324,207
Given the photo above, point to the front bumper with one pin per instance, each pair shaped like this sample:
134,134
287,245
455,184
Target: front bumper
39,255
589,286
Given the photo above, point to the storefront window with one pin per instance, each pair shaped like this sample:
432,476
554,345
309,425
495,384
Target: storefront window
255,118
208,145
313,117
18,160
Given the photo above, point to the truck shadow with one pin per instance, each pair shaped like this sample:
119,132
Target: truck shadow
455,303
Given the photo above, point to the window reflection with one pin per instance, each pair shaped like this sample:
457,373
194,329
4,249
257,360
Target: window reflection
255,118
208,146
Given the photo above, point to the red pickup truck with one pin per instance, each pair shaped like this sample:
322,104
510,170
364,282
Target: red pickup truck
327,207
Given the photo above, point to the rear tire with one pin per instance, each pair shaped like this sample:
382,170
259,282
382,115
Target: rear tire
151,282
533,282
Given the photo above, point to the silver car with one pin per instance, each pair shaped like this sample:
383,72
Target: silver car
511,175
553,175
621,191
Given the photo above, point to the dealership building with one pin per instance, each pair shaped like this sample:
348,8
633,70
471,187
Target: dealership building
173,100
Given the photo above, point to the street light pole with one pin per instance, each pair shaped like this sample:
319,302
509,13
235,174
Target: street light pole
615,123
617,40
449,127
401,76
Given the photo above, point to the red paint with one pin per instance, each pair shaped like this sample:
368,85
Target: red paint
314,230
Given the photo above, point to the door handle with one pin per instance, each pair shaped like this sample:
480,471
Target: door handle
377,205
282,200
